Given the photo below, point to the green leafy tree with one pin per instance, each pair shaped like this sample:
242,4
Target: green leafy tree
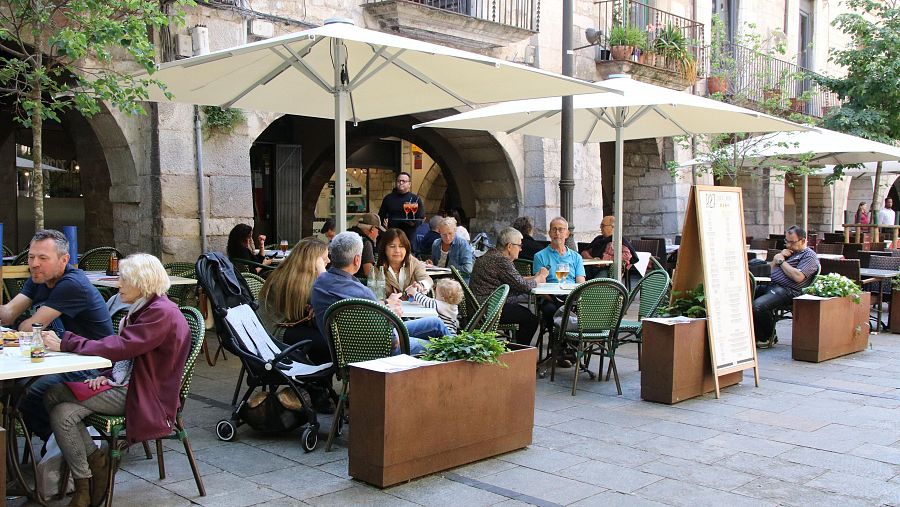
870,90
57,55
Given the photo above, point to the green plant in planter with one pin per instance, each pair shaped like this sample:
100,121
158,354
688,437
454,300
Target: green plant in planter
472,346
689,303
673,45
635,37
222,120
834,285
618,36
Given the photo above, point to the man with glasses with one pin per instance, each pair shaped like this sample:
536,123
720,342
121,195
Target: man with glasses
792,269
394,213
601,248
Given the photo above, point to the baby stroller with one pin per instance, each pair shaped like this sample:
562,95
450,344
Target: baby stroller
269,364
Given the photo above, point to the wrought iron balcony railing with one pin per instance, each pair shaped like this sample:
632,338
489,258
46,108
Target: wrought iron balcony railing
652,21
517,13
761,78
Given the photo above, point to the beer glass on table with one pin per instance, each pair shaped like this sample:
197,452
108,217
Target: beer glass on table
562,272
283,246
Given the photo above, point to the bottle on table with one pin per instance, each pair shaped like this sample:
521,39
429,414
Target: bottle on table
25,345
37,343
113,267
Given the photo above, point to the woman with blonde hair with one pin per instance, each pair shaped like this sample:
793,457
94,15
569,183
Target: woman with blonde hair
284,307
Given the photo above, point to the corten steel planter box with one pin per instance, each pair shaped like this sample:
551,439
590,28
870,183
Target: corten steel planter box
416,422
829,328
675,363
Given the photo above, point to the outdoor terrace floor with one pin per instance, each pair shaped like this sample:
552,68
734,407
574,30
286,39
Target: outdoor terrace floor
811,434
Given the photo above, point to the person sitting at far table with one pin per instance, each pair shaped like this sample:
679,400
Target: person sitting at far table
430,237
451,249
554,257
338,283
496,268
397,265
530,246
240,246
602,248
792,269
148,355
64,300
369,227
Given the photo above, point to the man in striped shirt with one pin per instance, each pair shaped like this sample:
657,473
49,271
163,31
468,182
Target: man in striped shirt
792,269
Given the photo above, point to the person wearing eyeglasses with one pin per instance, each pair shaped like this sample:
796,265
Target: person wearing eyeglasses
792,269
401,208
602,248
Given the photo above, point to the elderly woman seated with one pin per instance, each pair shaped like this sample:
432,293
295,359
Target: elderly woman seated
451,249
496,268
148,357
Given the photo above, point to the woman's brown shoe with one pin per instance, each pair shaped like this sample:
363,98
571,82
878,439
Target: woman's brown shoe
82,496
99,463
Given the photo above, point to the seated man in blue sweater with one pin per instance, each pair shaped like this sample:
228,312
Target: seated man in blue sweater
338,283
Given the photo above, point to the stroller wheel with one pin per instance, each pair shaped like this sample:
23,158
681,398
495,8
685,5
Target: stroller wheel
225,430
310,439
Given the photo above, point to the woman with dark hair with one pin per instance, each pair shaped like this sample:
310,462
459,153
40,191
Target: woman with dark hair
400,269
328,228
862,213
240,246
284,301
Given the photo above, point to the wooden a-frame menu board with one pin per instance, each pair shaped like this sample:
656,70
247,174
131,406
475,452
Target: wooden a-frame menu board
713,253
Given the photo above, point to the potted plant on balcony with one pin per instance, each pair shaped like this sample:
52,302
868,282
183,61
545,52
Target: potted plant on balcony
675,359
673,46
618,43
831,319
721,59
477,401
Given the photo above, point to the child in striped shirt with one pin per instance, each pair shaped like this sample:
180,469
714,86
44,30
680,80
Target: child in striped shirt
447,296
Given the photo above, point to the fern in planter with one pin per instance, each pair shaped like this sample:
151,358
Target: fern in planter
221,120
689,303
834,285
472,346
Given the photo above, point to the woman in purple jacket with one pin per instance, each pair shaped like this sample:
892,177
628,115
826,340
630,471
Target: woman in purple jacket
148,357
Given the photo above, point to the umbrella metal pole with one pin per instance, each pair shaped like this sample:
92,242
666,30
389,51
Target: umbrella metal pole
201,188
567,127
340,140
617,197
804,219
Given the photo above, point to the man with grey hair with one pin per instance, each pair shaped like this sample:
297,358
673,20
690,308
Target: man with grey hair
338,283
63,299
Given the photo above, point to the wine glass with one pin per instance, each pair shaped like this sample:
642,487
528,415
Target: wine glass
414,208
562,272
283,245
406,208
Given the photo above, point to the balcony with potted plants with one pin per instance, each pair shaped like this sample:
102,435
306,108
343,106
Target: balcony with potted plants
473,25
652,45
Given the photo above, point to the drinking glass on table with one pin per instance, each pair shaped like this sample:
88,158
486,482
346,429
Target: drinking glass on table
562,272
283,245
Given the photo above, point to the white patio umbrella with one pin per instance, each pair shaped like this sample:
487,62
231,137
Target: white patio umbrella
24,163
641,111
814,147
343,72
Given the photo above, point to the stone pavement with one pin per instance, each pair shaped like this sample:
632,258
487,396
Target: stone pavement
822,434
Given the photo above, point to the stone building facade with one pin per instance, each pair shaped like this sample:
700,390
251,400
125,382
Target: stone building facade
148,164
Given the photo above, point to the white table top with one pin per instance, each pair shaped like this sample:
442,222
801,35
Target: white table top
829,256
672,248
100,279
13,365
553,289
596,262
760,279
878,273
413,310
436,271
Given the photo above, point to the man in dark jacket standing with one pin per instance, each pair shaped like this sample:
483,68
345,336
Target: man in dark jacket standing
392,207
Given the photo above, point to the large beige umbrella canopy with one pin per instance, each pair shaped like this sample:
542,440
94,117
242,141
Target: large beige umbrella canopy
344,72
641,110
813,147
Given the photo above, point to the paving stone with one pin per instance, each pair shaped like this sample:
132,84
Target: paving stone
548,418
787,493
224,489
557,437
359,495
483,468
438,491
679,430
616,499
692,495
302,482
177,468
780,420
545,460
878,453
753,445
141,493
548,487
603,431
863,487
614,477
772,467
611,453
713,476
842,463
243,460
694,451
284,501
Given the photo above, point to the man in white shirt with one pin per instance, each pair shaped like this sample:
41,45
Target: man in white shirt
886,215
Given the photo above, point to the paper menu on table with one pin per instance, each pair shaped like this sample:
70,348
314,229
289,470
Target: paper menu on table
392,364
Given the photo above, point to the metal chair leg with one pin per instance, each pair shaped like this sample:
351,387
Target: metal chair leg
182,435
147,450
338,413
160,461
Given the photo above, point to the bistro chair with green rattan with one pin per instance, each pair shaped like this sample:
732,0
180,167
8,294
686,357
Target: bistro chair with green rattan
182,295
525,267
255,282
97,259
361,330
7,251
112,428
598,306
487,318
652,290
245,266
469,307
